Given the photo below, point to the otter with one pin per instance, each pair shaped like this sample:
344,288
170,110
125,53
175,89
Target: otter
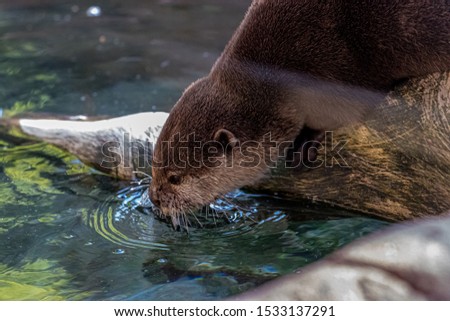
292,70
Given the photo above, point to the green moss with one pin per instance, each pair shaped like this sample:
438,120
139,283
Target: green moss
26,176
16,50
23,86
46,77
38,280
30,171
11,71
27,180
21,107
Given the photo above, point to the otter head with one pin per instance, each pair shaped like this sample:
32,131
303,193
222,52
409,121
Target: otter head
209,146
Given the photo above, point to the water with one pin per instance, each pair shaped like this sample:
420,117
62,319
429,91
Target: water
68,232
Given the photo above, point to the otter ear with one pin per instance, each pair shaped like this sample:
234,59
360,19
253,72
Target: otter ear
226,139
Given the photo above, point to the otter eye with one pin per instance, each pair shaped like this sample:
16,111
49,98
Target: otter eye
174,179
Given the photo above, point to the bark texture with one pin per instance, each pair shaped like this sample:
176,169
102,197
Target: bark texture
398,161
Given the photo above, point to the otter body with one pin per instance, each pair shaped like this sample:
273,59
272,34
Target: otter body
292,70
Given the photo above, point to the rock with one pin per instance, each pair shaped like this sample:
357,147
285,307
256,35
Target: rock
410,261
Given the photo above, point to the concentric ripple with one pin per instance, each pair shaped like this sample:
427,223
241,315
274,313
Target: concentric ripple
127,219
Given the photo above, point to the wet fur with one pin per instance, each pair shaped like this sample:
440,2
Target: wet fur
296,68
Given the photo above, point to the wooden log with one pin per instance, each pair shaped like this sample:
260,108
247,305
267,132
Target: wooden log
121,147
398,161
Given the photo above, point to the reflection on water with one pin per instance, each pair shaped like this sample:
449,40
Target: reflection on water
68,232
135,56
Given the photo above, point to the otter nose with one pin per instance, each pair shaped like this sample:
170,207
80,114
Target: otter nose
154,197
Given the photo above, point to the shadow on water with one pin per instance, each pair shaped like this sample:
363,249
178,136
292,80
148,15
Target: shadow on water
69,232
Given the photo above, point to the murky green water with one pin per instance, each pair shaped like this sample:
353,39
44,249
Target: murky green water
69,232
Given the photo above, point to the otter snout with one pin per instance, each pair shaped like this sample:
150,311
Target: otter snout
154,196
163,197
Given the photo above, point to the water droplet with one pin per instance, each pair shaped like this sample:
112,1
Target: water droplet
83,98
75,9
68,236
153,107
89,243
119,251
162,261
94,11
145,201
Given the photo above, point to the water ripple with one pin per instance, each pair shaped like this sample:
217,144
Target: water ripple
127,219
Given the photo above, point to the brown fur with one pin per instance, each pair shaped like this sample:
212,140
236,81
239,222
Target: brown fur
293,68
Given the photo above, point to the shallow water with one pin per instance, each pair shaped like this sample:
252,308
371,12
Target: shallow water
69,232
